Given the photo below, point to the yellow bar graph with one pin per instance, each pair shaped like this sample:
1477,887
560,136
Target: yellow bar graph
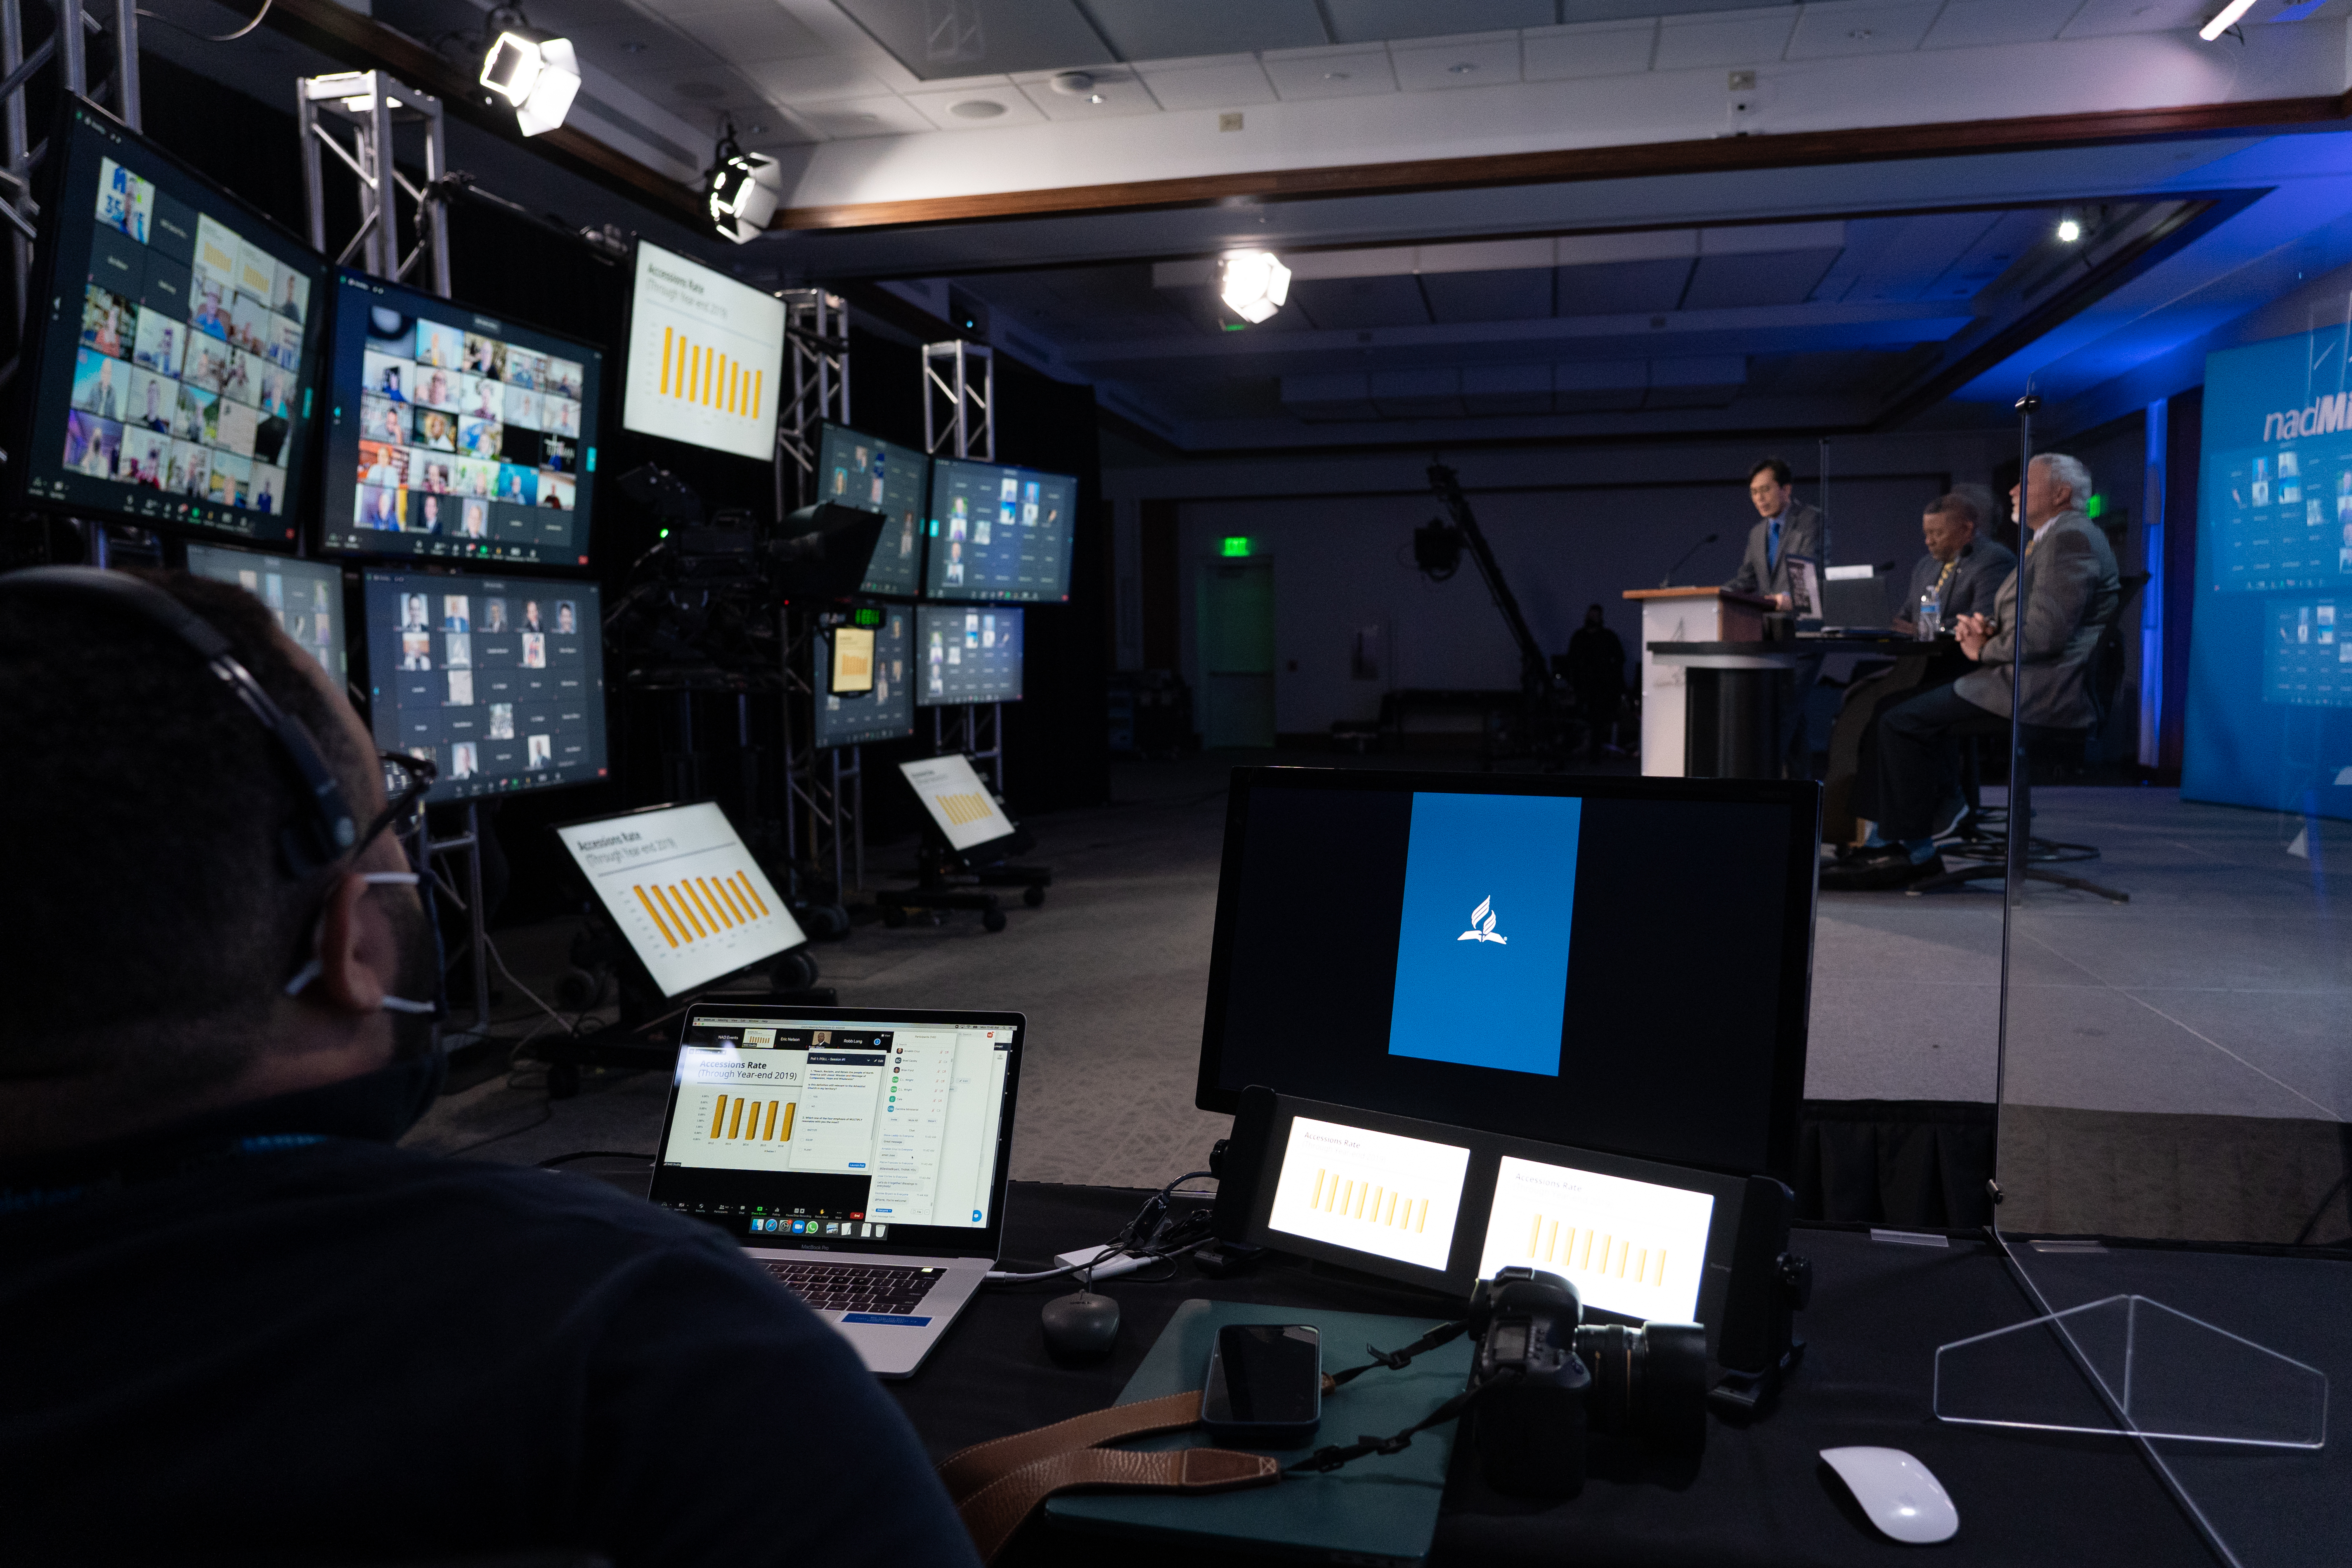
712,902
718,1116
702,909
1550,1240
743,885
959,809
1369,1200
759,378
677,896
734,904
676,919
668,334
773,1106
658,925
790,1106
735,1127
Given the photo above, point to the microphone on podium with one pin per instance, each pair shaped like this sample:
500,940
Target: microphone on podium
1668,579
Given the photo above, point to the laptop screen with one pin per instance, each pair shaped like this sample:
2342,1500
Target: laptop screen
872,1131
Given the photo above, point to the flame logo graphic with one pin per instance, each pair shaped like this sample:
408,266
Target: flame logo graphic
1483,932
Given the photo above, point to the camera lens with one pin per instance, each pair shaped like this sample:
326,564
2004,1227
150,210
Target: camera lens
1648,1383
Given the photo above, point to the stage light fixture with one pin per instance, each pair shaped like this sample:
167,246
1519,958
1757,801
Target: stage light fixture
743,190
1254,284
2070,229
536,71
2224,19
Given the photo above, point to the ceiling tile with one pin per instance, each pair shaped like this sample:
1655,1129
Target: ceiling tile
801,82
1976,24
2102,18
1752,37
1755,238
1341,303
936,38
1733,282
1370,21
1212,83
1622,288
1157,30
760,31
1329,398
976,109
1121,93
846,119
1302,74
1643,245
1417,394
1519,296
1917,252
1831,28
1598,48
1701,382
1386,261
1507,389
1485,256
1477,61
1607,386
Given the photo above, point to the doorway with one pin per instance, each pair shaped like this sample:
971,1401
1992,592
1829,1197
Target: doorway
1236,639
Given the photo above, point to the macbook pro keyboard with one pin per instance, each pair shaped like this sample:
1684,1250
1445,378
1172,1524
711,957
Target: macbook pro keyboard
856,1288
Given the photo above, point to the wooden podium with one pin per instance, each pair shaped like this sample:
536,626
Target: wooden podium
1684,614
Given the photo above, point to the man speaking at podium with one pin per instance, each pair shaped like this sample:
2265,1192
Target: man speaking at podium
1790,528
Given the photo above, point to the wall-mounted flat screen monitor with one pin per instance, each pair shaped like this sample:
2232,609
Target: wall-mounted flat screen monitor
679,884
706,357
2269,713
498,681
853,470
863,657
173,351
999,533
450,432
307,596
1622,963
967,654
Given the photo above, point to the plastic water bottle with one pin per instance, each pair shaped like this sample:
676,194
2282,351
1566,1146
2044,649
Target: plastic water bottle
1931,616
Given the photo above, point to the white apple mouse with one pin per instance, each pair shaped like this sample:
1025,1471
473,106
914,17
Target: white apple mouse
1901,1496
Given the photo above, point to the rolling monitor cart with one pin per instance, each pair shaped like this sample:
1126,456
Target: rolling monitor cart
857,470
967,654
452,435
1621,964
678,907
965,840
171,370
307,596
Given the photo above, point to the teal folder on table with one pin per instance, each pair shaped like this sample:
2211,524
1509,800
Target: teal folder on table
1382,1507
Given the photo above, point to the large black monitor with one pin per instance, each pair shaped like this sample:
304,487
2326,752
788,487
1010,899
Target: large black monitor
999,533
1621,964
306,595
967,655
173,350
451,433
862,657
499,680
858,470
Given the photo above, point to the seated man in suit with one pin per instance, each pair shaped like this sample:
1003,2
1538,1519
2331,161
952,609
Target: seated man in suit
1962,569
2073,594
1788,528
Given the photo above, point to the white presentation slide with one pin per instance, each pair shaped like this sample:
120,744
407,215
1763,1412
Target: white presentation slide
738,1110
1373,1192
682,887
957,800
706,356
1627,1247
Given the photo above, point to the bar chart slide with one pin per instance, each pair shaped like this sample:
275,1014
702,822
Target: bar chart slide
682,887
959,803
738,1109
1371,1192
704,353
1627,1247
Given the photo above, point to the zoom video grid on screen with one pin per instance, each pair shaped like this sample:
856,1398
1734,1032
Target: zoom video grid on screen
2269,715
307,597
999,533
177,356
861,674
704,356
500,682
855,1130
968,655
455,434
1611,970
880,475
680,885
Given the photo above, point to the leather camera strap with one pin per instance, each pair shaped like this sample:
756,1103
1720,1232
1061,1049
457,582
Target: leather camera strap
998,1484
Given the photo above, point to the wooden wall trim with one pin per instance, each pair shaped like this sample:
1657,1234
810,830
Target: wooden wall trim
1714,155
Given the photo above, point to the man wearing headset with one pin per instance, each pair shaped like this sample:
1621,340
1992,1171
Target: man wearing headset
240,1324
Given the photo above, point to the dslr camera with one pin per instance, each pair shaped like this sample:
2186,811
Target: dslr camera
1554,1385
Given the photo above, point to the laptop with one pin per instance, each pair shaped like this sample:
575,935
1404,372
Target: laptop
860,1155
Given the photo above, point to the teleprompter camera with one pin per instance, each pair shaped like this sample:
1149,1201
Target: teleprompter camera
1548,1383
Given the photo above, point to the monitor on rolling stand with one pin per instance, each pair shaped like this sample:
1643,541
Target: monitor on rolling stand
967,834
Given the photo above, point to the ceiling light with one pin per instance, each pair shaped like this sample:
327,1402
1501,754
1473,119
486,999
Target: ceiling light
2224,19
1074,84
743,190
1335,76
533,70
2070,229
976,109
1253,283
1464,68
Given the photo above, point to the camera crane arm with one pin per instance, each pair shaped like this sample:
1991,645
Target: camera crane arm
1535,667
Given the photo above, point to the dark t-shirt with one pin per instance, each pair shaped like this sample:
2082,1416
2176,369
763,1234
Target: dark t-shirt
327,1350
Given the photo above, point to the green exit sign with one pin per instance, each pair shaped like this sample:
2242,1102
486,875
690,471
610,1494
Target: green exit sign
1237,545
2097,505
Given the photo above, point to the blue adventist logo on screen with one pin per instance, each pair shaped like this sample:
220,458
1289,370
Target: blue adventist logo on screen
1481,949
